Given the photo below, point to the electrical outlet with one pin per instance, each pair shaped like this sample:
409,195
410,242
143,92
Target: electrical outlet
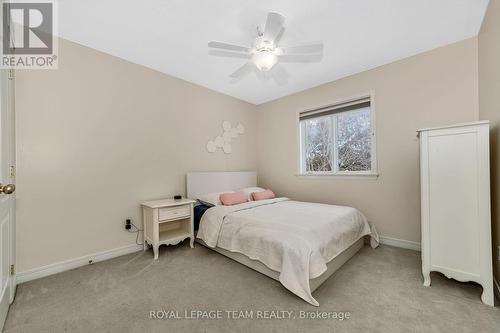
128,224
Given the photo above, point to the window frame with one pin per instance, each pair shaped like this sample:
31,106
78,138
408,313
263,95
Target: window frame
373,173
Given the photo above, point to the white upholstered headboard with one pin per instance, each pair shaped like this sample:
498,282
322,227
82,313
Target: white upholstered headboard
209,182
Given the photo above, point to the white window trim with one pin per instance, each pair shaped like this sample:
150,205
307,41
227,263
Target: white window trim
372,174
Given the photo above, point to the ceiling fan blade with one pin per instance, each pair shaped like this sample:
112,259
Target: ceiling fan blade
305,48
301,58
228,46
279,75
261,75
221,53
278,38
242,71
274,25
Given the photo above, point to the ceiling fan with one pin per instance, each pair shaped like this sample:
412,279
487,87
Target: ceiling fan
265,53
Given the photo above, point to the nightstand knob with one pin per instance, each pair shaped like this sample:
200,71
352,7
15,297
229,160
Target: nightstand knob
7,189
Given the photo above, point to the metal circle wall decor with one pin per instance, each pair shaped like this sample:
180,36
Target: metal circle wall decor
223,141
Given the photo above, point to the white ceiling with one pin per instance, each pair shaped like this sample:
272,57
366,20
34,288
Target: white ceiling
171,35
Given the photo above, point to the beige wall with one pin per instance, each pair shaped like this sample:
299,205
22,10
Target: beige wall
435,88
489,106
98,136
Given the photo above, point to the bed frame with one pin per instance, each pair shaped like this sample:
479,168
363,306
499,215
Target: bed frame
209,182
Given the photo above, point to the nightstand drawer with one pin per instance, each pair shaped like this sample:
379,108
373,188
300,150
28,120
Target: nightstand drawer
169,213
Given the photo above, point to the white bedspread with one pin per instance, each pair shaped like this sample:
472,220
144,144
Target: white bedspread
294,238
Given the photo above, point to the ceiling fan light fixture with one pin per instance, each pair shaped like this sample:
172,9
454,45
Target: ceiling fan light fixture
265,53
264,60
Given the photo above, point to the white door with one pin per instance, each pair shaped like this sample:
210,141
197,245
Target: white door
7,198
7,187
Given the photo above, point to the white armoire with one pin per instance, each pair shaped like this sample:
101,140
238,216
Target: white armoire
455,195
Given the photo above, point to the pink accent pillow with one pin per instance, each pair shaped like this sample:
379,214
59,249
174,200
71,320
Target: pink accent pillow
267,194
234,198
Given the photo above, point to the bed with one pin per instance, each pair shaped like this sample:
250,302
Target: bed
296,243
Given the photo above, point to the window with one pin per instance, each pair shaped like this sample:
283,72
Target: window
338,139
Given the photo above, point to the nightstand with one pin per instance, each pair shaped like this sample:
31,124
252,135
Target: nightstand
167,222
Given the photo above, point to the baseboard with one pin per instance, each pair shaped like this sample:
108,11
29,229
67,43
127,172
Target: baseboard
497,289
40,272
405,244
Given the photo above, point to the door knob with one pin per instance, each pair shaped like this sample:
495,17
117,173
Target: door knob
7,189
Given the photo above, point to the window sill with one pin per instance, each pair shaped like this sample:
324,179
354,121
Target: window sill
368,176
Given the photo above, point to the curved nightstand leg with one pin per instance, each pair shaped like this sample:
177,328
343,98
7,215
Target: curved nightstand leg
155,251
487,296
427,278
191,242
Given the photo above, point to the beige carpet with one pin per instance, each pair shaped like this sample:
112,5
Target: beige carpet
381,289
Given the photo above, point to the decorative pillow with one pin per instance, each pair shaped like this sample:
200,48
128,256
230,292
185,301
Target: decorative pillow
211,199
233,198
267,194
249,190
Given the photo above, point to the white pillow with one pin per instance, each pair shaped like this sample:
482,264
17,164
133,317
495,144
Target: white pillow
249,190
212,198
